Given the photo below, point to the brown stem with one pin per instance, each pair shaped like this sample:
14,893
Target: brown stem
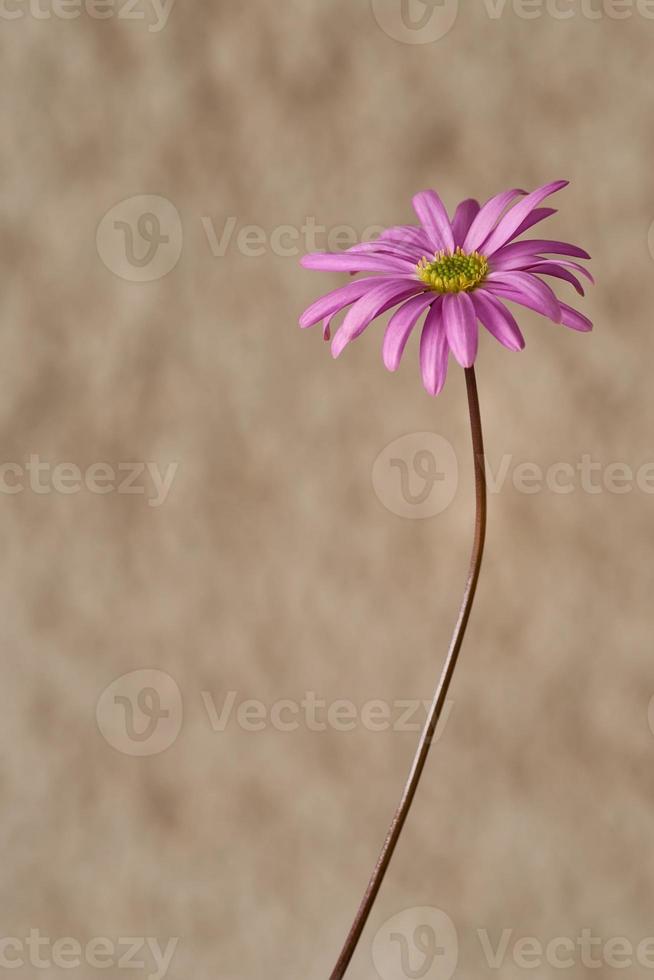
441,691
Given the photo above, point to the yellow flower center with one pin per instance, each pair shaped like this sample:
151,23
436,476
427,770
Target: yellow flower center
453,273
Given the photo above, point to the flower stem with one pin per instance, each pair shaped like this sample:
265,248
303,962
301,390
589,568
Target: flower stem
441,691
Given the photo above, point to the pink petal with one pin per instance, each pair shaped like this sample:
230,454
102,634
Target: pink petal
498,320
410,253
559,272
465,214
506,261
519,254
434,350
514,218
330,304
487,217
537,215
344,262
407,235
524,288
433,217
574,319
564,264
400,326
372,304
461,325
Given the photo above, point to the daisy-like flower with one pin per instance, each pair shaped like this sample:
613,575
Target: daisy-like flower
457,274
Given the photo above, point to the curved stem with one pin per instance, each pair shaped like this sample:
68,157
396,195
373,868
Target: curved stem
440,695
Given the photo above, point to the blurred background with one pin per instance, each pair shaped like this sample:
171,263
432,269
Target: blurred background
221,608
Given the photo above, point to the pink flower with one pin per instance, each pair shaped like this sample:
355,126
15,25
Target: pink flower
455,273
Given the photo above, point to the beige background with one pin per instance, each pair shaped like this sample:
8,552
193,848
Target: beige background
272,568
